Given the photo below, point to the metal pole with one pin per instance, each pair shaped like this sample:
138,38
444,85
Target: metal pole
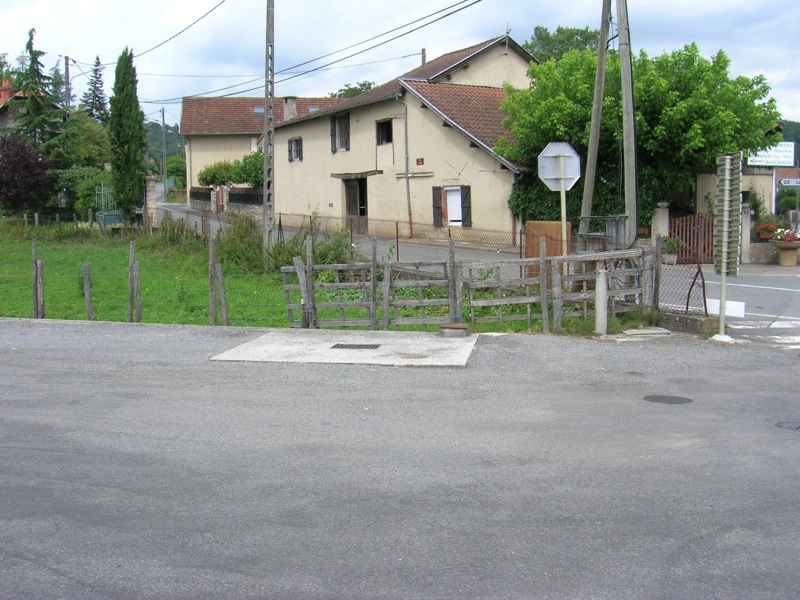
563,205
269,127
726,221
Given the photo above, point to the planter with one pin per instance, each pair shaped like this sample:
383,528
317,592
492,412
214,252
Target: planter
669,259
787,252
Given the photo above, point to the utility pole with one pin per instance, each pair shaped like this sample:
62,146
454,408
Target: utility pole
67,87
269,127
597,110
628,130
164,152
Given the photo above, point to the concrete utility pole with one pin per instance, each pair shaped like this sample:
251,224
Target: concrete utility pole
67,89
164,152
628,130
269,127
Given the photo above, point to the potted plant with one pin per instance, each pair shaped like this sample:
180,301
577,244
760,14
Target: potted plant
766,229
787,242
670,247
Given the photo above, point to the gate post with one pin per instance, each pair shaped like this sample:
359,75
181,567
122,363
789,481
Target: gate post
660,223
745,240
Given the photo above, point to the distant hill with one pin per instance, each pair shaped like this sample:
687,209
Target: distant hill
174,141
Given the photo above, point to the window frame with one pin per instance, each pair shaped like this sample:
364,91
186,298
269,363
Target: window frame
382,128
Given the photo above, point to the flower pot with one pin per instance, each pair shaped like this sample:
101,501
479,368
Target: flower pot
787,252
669,259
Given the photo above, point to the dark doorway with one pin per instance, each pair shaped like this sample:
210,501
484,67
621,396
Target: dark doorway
356,195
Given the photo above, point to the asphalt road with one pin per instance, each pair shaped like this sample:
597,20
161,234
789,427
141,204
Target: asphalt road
132,466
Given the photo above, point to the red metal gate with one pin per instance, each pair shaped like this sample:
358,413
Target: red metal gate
697,234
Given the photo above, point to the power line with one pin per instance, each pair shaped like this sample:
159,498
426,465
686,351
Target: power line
168,39
322,67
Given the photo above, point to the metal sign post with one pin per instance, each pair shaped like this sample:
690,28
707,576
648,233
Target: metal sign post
559,169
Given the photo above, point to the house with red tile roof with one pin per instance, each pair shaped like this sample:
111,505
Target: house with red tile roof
418,149
217,129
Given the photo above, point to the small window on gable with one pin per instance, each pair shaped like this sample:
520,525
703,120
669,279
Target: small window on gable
295,149
383,132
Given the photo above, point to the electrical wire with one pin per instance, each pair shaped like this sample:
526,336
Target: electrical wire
322,67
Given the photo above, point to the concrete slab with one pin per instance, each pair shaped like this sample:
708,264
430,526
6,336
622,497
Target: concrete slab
646,331
386,348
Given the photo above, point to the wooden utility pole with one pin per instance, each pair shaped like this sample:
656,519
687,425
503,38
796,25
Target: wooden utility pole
628,130
269,127
67,89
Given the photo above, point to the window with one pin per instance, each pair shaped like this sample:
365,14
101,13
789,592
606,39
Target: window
340,133
295,149
452,205
383,132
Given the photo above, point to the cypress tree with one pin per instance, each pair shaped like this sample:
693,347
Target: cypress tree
127,133
94,98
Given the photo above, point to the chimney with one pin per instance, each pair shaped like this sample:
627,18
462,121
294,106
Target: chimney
6,91
424,57
289,108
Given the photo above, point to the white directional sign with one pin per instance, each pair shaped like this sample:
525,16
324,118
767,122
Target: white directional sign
789,182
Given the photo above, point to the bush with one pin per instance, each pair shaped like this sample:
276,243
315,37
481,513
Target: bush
240,246
218,173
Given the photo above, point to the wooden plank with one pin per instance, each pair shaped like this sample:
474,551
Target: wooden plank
301,275
87,293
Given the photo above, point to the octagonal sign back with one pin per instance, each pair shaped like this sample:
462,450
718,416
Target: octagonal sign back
550,165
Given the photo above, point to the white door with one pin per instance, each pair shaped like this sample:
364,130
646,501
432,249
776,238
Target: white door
453,205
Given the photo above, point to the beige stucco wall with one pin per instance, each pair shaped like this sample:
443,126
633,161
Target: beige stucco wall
492,68
444,154
763,184
205,150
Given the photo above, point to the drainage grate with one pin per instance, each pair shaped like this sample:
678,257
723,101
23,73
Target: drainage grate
789,425
667,399
356,346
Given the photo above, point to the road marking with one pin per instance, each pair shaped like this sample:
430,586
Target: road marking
756,287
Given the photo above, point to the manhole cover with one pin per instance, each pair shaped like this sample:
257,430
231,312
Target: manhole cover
356,346
794,425
667,399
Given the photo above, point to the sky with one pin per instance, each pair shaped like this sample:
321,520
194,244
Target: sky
218,46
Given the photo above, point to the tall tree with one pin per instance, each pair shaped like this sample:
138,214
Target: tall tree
545,45
127,133
94,98
688,110
41,122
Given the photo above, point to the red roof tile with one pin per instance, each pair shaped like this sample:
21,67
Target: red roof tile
474,109
239,115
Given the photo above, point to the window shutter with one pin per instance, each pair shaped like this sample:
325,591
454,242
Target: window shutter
437,207
299,148
346,131
290,151
466,207
333,134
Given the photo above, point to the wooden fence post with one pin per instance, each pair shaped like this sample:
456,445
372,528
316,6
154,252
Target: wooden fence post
455,313
301,278
212,288
374,282
34,271
131,261
223,299
311,305
87,293
40,289
137,293
543,282
558,300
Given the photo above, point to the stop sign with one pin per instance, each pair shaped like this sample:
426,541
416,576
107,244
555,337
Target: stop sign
550,166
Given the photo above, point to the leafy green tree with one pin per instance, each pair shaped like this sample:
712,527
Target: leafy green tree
90,141
70,180
58,87
545,45
249,170
351,91
218,173
94,101
25,183
176,167
6,71
42,120
127,134
688,110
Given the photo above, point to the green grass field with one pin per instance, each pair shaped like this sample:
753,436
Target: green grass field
173,280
